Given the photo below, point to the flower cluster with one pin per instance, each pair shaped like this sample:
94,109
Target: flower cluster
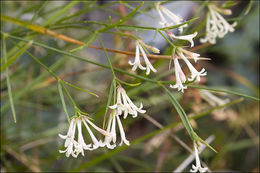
177,20
180,76
216,25
75,147
111,127
123,105
137,62
181,53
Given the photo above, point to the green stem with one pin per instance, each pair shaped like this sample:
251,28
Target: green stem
63,100
68,94
108,59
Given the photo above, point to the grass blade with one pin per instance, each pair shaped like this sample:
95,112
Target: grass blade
9,88
17,55
180,111
63,101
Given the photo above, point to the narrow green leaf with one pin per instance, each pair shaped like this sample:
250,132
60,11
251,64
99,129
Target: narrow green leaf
181,112
91,93
24,90
63,101
60,12
90,39
18,54
9,88
111,89
249,6
177,26
122,20
197,138
129,84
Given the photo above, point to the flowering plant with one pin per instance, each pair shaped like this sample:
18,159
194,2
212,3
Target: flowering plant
91,81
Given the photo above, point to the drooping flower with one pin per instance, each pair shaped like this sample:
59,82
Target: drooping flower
74,147
180,76
197,167
124,104
212,99
216,25
193,55
174,18
137,62
81,143
111,128
185,37
70,143
194,73
96,143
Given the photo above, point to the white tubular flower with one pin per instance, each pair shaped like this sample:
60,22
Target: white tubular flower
111,127
185,37
124,104
216,25
122,133
70,143
198,165
96,143
212,99
174,18
194,72
193,55
137,62
180,76
163,21
81,143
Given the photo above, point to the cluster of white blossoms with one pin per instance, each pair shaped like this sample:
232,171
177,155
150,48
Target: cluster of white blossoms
140,45
216,25
177,20
75,147
123,105
197,167
180,76
111,127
